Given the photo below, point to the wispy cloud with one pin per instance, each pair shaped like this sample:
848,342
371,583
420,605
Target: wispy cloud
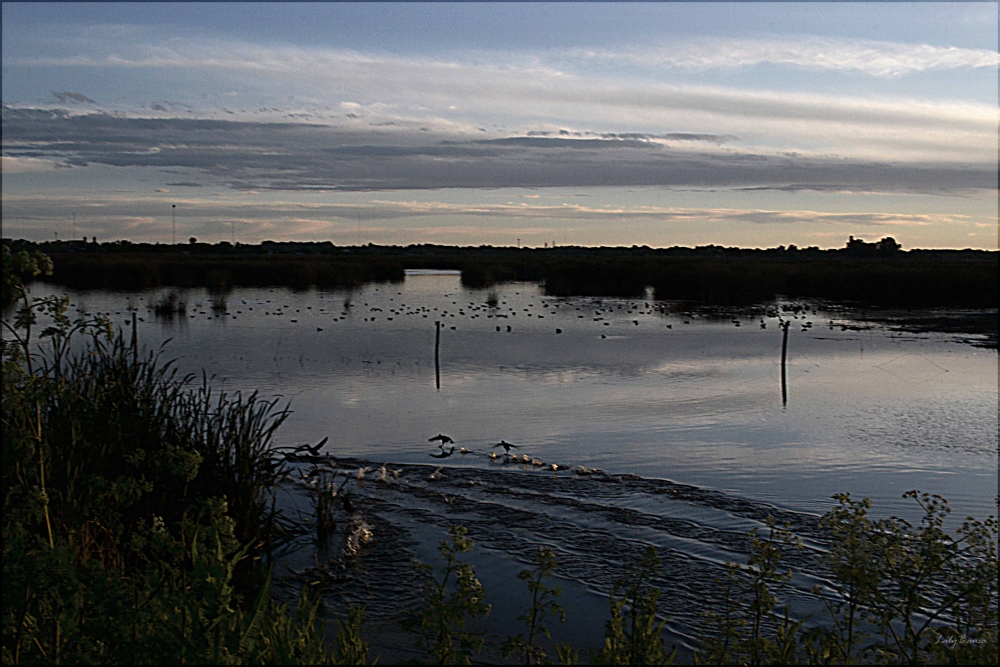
875,58
248,155
285,213
523,90
294,156
871,57
24,165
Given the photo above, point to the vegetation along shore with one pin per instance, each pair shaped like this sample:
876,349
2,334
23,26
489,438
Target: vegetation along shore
877,274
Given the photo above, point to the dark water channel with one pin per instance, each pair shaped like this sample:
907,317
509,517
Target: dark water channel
680,414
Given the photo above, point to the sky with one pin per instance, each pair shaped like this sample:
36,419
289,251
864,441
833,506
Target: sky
659,124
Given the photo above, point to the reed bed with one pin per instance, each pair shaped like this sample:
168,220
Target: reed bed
217,273
868,274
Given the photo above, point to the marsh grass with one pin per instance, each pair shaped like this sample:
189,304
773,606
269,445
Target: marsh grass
136,507
324,496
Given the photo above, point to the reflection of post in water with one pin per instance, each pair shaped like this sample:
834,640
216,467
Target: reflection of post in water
784,354
437,354
135,341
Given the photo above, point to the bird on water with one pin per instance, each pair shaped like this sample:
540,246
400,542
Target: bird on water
506,446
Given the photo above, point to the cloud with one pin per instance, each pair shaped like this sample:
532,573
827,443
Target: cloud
870,57
247,155
633,136
165,106
874,58
517,90
661,214
67,97
284,213
405,218
25,165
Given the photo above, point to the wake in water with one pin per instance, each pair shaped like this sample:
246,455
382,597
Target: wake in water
594,522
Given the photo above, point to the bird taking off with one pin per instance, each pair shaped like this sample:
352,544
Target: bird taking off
506,446
442,439
312,449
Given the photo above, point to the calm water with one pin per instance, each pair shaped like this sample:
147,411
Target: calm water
688,409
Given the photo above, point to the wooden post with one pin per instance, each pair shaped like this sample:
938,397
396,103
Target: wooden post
437,353
135,340
784,355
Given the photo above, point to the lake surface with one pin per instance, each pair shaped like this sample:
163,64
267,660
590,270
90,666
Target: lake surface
683,414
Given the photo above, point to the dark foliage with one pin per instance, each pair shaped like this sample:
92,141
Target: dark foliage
872,274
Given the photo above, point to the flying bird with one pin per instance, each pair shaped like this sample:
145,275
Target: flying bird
312,449
506,446
444,440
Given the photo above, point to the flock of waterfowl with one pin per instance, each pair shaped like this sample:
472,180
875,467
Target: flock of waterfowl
601,312
506,457
312,454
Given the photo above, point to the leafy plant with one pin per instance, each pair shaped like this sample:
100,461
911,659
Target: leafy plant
449,602
633,635
543,604
928,595
748,631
